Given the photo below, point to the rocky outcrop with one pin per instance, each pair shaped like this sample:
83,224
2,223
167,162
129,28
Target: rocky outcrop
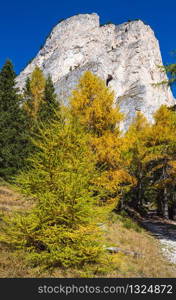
128,53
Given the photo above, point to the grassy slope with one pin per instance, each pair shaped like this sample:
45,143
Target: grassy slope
120,231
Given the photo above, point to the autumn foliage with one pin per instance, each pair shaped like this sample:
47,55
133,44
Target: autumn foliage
82,167
92,102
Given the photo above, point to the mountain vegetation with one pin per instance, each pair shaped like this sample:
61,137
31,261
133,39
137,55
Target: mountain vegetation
77,170
13,130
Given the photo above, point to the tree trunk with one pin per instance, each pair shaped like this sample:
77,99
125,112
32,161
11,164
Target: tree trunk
140,189
165,204
121,204
174,206
140,194
165,198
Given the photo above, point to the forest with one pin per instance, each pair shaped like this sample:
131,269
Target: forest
78,167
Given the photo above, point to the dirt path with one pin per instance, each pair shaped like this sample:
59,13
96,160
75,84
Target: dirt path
165,232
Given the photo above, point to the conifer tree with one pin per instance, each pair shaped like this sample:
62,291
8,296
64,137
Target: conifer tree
40,104
171,71
27,93
34,93
62,227
162,156
40,100
13,137
92,102
49,105
152,158
137,153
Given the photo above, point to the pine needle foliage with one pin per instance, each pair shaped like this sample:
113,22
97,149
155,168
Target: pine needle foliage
62,229
93,103
50,104
171,71
40,104
151,154
163,158
136,154
34,92
13,134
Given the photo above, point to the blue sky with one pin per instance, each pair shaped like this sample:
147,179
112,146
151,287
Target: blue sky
25,24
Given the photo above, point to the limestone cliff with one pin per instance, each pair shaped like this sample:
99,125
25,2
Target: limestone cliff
128,52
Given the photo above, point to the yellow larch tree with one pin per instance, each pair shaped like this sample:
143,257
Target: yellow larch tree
163,154
36,87
137,156
93,103
152,160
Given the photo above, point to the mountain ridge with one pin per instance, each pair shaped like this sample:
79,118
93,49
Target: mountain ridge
128,54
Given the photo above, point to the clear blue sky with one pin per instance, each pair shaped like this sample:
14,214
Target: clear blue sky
25,24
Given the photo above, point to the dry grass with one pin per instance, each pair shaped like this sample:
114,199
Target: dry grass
11,200
120,232
150,263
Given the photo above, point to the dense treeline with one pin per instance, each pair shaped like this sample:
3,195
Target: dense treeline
21,115
78,166
152,158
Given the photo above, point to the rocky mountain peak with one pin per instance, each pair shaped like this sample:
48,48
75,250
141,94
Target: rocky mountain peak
126,56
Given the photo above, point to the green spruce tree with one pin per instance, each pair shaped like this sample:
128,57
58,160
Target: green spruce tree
49,105
13,137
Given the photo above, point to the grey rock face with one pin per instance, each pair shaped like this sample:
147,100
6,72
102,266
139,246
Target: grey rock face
128,52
